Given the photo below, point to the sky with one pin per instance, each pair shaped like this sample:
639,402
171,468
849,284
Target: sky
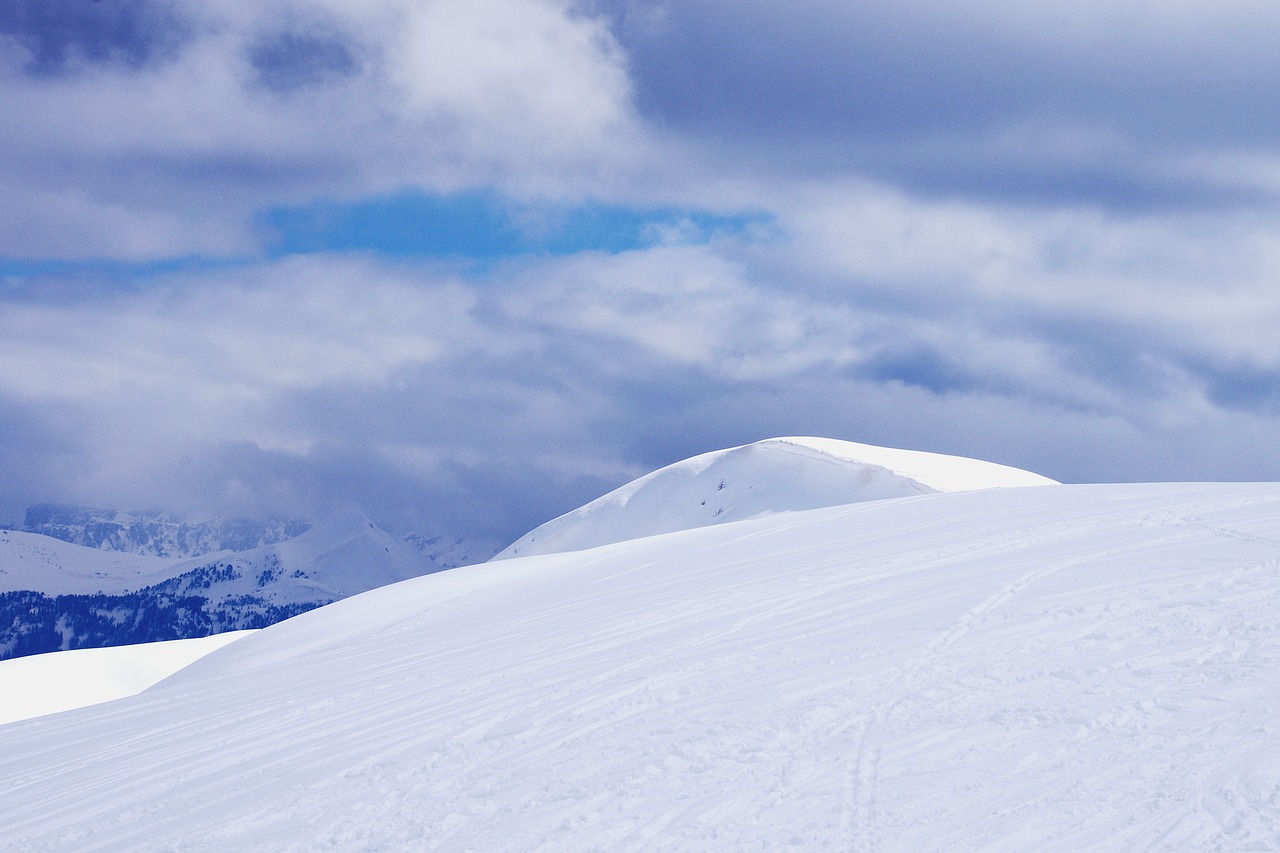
467,264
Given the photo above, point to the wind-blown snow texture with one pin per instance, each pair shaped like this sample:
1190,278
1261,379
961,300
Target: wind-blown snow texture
1058,668
774,475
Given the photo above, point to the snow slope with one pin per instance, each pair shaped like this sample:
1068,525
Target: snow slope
775,475
59,681
54,567
1065,668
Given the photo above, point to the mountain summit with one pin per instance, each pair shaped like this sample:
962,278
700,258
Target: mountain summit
770,476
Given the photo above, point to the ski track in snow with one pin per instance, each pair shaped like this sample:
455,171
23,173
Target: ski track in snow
859,828
1054,669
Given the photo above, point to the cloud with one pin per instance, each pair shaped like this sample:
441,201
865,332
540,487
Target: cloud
1189,280
1086,103
471,263
40,454
309,382
151,157
169,129
297,324
287,61
68,36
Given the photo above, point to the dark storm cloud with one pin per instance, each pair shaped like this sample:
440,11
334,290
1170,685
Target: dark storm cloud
62,36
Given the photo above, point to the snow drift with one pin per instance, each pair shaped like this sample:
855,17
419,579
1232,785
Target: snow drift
775,475
1073,667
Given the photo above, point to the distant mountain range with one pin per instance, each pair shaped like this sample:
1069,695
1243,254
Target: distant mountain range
155,534
79,578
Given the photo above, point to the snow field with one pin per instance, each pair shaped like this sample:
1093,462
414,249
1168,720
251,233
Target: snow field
54,567
1057,668
59,681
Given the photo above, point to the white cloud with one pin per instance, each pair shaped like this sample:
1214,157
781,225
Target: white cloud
691,305
522,95
1204,279
191,358
511,72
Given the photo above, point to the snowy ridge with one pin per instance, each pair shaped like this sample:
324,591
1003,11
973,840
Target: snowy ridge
936,472
775,475
1066,668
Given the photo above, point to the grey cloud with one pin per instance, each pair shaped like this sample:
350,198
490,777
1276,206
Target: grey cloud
489,502
481,405
291,60
42,458
1239,386
947,102
1086,347
199,118
62,36
920,365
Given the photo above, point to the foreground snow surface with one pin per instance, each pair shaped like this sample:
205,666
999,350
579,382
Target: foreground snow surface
59,681
1057,668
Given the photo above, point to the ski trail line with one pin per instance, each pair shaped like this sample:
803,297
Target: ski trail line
863,767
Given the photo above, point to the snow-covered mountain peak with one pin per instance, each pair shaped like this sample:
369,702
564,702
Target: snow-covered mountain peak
347,553
774,475
936,472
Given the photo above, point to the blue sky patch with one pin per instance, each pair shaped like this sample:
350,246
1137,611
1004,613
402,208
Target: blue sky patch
469,226
484,226
14,270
